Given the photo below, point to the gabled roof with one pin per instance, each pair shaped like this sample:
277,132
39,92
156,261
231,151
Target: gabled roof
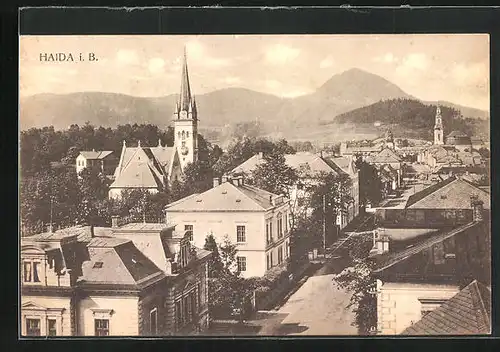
452,193
388,260
385,156
466,313
138,175
95,155
150,163
298,161
226,197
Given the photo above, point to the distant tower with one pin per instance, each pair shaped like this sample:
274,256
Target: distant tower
438,128
389,139
186,121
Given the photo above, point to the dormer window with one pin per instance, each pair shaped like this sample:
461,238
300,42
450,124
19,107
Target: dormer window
98,265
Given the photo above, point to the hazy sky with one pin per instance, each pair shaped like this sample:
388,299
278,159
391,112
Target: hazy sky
431,67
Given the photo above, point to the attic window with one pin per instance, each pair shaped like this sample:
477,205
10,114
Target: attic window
134,261
449,256
224,192
443,196
238,200
98,265
198,200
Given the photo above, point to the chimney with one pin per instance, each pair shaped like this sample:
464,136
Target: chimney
93,149
380,245
271,199
159,142
477,208
224,178
216,182
114,221
260,155
92,233
49,228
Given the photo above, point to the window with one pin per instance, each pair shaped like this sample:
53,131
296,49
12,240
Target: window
280,255
268,262
286,222
268,236
101,327
188,230
31,271
242,264
271,259
280,226
51,327
27,272
153,321
187,134
178,313
33,327
240,234
199,295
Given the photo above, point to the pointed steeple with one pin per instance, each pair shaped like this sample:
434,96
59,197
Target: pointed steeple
185,94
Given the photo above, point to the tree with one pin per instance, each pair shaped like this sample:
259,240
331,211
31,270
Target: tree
370,185
215,265
274,175
227,252
358,280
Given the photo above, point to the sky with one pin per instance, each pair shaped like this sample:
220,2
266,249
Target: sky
454,67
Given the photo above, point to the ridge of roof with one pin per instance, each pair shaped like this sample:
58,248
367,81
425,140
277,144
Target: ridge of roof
426,191
391,259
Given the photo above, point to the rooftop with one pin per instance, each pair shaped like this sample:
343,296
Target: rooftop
452,193
95,155
300,160
226,197
389,259
466,313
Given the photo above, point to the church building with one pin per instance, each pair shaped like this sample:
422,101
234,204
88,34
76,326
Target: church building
153,168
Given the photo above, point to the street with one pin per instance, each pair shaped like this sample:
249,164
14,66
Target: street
317,307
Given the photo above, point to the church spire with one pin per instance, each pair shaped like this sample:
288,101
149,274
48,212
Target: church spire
438,128
185,94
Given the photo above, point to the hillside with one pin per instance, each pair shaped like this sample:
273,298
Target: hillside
410,118
221,110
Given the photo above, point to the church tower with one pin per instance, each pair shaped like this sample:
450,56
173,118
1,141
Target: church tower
186,121
438,128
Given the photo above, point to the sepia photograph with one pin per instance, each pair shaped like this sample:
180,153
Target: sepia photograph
254,185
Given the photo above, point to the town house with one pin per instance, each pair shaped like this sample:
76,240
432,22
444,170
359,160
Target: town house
104,160
418,271
133,280
257,221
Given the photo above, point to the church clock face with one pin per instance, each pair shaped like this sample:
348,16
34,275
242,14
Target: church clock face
184,150
183,114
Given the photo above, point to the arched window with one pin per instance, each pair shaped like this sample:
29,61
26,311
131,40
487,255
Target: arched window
187,134
179,134
183,135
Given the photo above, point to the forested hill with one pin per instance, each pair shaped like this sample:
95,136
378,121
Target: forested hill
413,116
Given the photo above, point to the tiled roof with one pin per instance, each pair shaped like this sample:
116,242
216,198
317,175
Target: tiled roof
342,164
387,260
466,313
457,134
121,264
385,156
137,175
298,161
452,193
143,167
94,155
226,197
78,231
